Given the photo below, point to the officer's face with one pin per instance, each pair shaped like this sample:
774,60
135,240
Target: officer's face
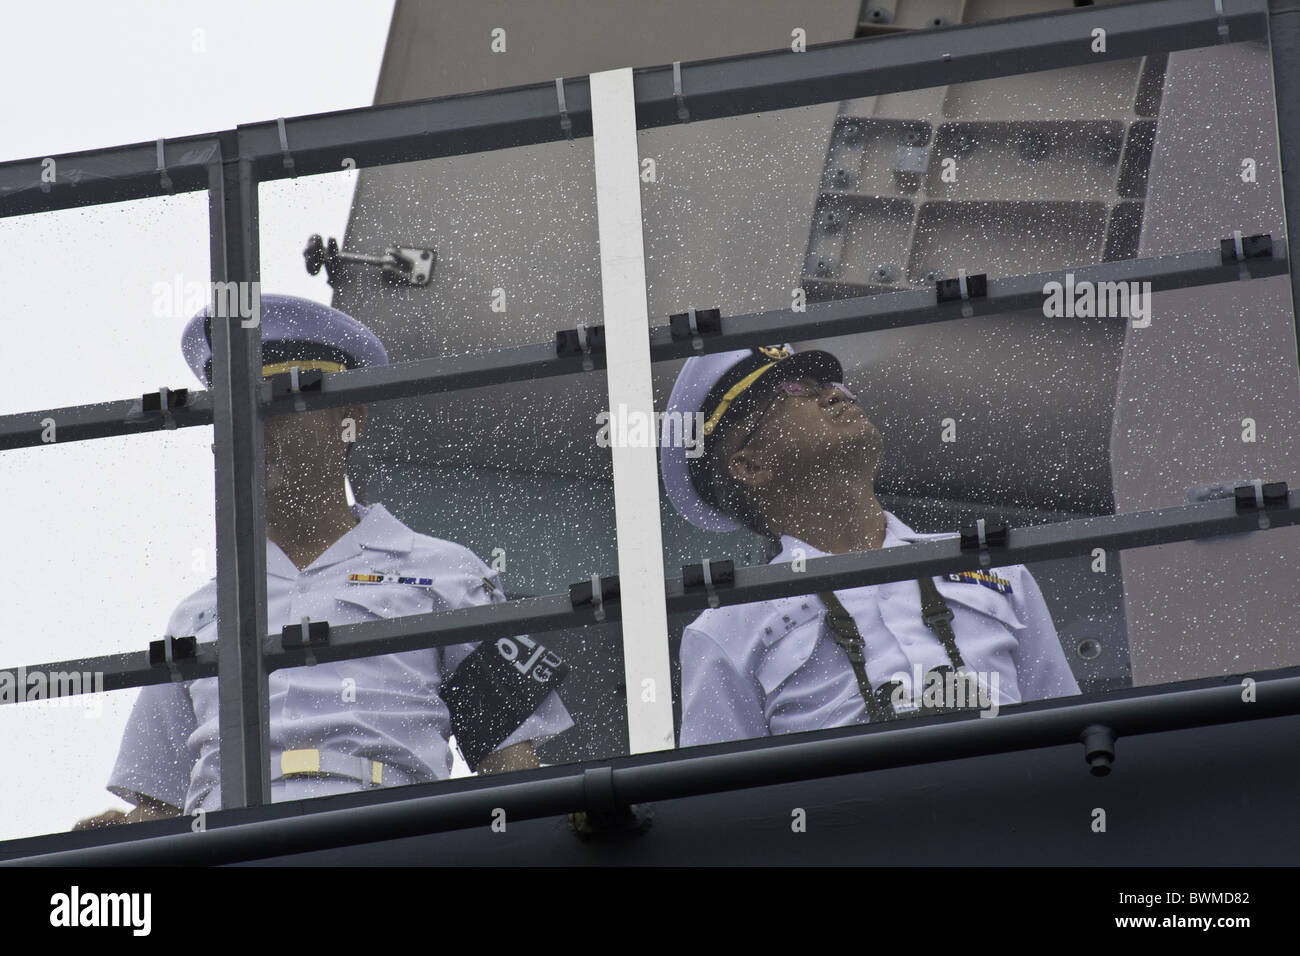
802,437
306,451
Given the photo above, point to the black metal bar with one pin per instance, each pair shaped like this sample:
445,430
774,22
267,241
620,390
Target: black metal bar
711,89
123,671
1284,43
527,362
678,774
921,59
1043,542
99,176
100,420
243,709
820,320
759,583
418,129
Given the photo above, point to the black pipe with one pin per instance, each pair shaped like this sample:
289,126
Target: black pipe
674,775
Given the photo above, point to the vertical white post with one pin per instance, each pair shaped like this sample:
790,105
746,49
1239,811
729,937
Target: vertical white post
627,349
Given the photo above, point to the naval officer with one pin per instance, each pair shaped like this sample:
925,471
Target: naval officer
790,454
354,724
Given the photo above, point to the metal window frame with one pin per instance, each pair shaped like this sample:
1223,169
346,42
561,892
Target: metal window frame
549,612
411,379
231,164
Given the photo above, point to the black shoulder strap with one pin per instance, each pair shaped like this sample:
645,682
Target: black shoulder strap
937,616
849,637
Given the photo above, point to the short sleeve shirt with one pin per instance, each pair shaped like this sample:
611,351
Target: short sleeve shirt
775,667
383,708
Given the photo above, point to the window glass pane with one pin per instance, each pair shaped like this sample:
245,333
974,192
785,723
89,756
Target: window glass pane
511,235
419,506
114,532
61,751
96,299
1029,417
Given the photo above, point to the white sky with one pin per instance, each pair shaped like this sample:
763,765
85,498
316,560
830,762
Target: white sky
106,537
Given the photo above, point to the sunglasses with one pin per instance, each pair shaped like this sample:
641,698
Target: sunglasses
802,388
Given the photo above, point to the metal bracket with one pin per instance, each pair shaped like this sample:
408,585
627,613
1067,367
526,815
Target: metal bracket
584,340
983,535
683,113
594,593
164,180
1222,21
963,289
402,265
306,635
604,815
294,382
1259,497
709,575
566,124
911,158
1241,249
163,401
172,649
1098,748
695,323
284,146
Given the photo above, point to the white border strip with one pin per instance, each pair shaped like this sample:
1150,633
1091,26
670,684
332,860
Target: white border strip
627,348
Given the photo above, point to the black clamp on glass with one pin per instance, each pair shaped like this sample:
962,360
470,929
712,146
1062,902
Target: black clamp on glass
566,124
305,635
962,289
296,381
709,575
585,340
594,593
169,650
163,401
982,535
1240,249
1259,496
316,633
693,324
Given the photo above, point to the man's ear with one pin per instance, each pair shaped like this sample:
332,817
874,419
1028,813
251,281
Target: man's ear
748,470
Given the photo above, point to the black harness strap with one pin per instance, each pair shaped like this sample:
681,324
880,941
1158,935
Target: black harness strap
937,616
850,638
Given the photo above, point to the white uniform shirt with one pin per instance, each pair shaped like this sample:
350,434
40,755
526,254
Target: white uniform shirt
170,752
774,667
